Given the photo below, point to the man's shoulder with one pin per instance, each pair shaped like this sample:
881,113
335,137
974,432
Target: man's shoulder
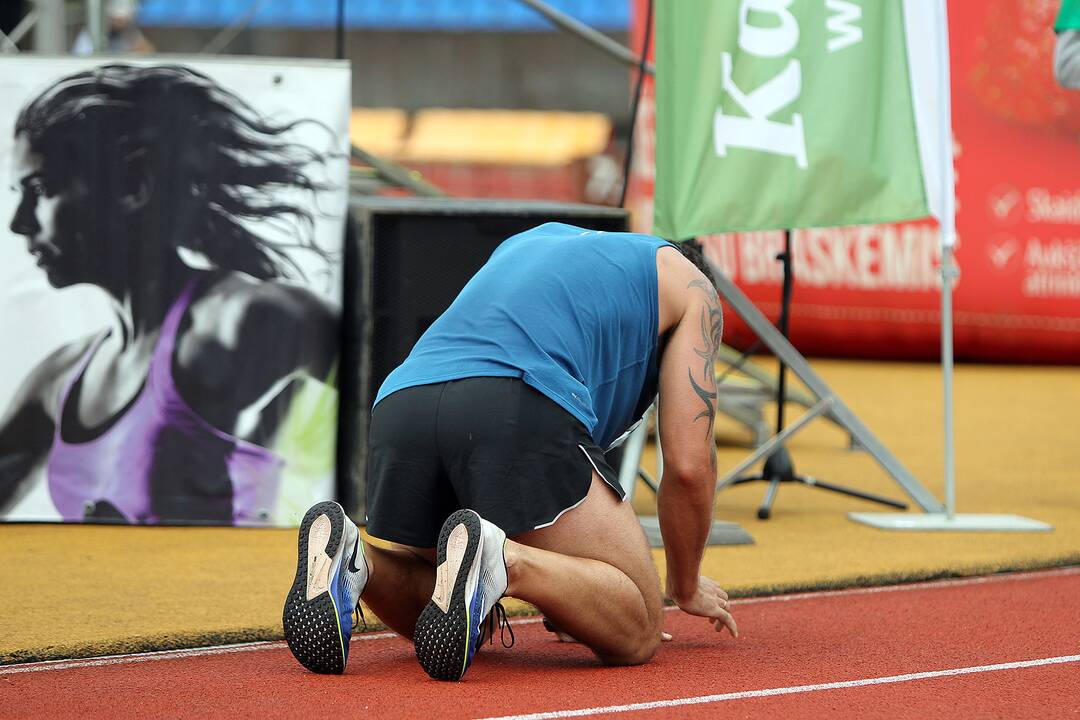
680,285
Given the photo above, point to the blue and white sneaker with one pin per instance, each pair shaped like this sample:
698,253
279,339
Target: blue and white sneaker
469,580
331,572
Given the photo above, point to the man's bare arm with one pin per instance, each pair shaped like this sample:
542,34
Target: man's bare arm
687,411
712,329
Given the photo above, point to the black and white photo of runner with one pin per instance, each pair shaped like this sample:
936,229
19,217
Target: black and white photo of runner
186,208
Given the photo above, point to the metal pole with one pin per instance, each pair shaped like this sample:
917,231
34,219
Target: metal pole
777,440
631,459
586,33
229,33
948,241
49,32
638,86
339,34
948,273
785,324
10,43
95,24
397,174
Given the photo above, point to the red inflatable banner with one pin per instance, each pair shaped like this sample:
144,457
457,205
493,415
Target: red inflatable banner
873,291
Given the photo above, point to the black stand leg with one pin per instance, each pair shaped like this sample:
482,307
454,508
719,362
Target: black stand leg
779,467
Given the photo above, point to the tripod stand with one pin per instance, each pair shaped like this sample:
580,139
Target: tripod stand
779,466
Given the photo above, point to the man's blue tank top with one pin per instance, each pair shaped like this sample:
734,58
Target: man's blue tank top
572,312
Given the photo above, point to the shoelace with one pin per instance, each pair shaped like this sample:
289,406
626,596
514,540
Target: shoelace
497,616
358,617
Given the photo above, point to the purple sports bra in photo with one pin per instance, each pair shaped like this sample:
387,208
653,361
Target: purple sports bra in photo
160,442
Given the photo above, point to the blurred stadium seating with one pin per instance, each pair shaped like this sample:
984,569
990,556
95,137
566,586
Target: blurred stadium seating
378,130
515,137
489,153
541,154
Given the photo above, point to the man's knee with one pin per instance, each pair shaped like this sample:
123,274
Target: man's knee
643,638
639,649
639,643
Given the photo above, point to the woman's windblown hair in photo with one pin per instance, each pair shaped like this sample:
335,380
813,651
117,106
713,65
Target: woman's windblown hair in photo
183,163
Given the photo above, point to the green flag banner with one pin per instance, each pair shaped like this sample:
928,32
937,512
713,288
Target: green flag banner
784,114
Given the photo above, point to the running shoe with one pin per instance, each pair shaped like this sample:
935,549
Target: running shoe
469,580
331,572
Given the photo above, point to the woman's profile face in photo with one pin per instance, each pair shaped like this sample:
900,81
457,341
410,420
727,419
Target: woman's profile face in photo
52,215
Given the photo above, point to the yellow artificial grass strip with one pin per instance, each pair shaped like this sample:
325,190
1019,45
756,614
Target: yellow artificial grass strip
103,590
107,589
70,591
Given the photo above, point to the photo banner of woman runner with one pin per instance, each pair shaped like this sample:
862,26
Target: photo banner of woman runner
170,288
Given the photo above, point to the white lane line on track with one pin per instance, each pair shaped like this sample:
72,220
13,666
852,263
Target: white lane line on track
163,655
277,644
704,699
927,585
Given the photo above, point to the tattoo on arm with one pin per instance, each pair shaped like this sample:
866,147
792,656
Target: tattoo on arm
712,327
707,396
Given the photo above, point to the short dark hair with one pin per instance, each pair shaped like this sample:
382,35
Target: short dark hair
692,251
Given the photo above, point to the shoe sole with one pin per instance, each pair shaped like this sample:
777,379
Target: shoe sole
442,630
310,618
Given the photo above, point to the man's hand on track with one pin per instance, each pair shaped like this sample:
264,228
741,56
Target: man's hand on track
708,601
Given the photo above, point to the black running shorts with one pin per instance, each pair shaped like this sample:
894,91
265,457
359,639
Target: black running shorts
491,444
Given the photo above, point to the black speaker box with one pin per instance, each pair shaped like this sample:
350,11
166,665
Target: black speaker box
406,259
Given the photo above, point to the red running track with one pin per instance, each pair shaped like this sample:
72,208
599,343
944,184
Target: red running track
1001,646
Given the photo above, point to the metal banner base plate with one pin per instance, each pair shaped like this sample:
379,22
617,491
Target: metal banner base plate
941,521
722,533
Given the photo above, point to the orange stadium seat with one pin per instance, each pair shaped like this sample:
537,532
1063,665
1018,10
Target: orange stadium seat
509,137
378,130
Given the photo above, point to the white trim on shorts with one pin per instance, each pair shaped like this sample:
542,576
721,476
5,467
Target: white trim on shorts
618,490
563,512
566,510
